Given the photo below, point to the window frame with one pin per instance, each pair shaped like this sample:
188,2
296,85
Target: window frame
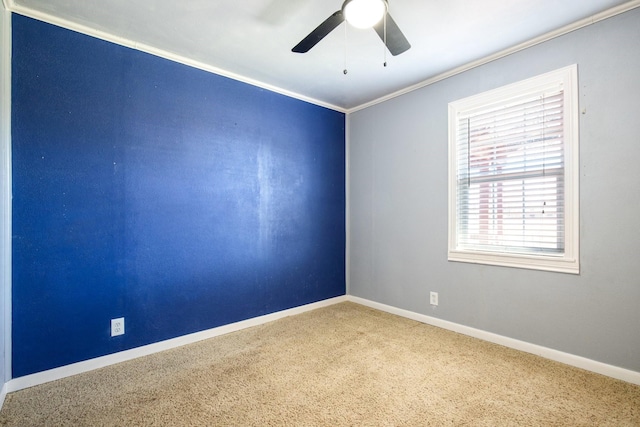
568,261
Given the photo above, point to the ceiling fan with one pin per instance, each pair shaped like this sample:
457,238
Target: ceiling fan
360,14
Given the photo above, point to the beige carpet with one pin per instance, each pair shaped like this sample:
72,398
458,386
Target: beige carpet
344,365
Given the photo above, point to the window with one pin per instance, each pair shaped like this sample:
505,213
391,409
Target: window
513,175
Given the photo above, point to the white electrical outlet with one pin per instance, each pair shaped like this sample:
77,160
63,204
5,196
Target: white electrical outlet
433,298
117,326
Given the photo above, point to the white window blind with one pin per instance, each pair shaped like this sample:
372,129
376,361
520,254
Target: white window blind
513,175
510,176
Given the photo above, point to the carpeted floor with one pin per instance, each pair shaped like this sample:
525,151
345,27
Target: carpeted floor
344,365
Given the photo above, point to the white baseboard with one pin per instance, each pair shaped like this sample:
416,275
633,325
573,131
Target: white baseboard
111,359
548,353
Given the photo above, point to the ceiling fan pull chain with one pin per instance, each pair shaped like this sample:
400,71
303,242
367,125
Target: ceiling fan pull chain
384,45
345,48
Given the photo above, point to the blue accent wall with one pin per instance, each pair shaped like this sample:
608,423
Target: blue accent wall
176,198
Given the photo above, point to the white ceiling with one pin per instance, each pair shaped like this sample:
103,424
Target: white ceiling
251,40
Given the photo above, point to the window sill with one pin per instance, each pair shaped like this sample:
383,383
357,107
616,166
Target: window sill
545,263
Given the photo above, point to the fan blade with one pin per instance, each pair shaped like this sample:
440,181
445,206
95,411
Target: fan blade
319,33
396,41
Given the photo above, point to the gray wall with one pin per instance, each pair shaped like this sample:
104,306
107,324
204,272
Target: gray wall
5,263
398,205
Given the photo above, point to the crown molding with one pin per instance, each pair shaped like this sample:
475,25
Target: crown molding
617,10
11,6
103,35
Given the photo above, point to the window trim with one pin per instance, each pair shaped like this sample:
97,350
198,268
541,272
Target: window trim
568,262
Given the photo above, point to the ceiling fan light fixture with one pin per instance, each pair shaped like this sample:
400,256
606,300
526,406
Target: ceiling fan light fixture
375,10
364,13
